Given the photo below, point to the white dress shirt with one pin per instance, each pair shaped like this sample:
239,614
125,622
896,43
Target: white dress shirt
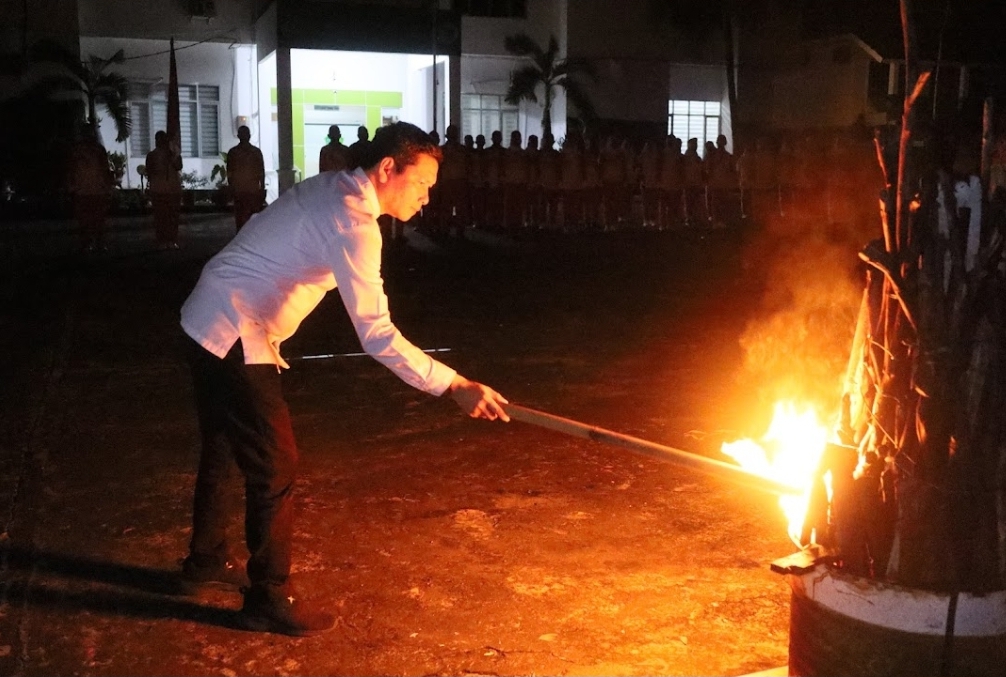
319,235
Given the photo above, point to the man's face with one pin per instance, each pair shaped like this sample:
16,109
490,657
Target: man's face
403,194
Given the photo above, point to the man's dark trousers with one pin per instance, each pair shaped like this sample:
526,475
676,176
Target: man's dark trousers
243,418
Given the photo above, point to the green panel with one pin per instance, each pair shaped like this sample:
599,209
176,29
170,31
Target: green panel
351,97
298,124
386,99
373,119
274,95
373,101
298,159
319,96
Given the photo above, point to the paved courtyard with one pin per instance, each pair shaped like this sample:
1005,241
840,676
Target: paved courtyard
445,545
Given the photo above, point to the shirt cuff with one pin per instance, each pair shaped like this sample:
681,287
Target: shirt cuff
441,377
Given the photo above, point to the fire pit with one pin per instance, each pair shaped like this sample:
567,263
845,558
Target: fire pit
909,499
841,624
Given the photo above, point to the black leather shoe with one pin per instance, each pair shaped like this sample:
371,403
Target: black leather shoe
278,609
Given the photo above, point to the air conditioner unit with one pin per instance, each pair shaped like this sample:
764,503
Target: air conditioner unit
202,9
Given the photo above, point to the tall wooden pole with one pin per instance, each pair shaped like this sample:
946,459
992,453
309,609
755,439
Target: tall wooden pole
988,118
434,71
903,183
174,122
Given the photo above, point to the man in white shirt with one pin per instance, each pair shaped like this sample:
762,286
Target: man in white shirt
320,235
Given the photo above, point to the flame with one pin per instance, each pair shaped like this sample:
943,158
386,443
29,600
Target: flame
789,452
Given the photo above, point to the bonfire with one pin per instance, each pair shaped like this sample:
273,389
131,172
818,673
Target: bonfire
906,483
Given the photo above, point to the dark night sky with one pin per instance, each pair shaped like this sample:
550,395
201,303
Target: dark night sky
972,30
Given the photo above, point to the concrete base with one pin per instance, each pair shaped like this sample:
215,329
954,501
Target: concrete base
847,625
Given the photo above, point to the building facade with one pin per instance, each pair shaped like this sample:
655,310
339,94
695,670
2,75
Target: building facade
291,68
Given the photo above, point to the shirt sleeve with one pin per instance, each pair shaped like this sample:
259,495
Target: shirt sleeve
357,269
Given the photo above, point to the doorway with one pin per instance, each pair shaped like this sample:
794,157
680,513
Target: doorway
318,119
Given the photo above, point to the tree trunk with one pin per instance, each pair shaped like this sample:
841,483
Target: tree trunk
546,114
92,110
730,56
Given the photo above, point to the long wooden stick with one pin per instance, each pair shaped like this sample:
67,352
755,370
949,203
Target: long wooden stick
707,465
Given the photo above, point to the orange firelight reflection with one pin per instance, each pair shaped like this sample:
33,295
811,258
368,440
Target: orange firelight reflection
789,452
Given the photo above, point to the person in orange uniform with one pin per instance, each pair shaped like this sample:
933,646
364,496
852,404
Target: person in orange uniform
246,178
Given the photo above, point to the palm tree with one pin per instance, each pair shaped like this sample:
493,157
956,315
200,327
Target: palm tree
91,78
546,71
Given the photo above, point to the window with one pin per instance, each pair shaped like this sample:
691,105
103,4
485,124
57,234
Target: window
516,9
694,120
199,115
487,113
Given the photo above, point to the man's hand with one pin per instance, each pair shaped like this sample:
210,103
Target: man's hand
477,400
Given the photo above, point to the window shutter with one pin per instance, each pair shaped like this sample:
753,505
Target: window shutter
159,115
139,138
190,145
208,130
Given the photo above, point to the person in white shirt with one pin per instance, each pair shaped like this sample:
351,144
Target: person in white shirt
320,235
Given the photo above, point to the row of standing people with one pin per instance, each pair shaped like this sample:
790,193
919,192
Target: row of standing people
812,179
577,188
580,187
245,184
611,185
666,184
91,183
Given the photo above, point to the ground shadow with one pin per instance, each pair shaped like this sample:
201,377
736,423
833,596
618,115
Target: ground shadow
143,592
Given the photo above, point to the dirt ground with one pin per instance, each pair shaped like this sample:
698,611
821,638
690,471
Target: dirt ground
446,546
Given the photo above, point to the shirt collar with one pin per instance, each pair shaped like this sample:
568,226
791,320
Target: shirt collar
369,191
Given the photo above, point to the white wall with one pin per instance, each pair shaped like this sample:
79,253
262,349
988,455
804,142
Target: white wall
244,98
267,129
371,71
416,97
162,19
820,91
417,106
484,35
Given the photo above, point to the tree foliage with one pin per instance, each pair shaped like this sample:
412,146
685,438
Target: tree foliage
93,79
545,72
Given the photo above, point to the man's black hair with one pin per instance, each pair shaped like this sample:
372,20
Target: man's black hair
401,141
